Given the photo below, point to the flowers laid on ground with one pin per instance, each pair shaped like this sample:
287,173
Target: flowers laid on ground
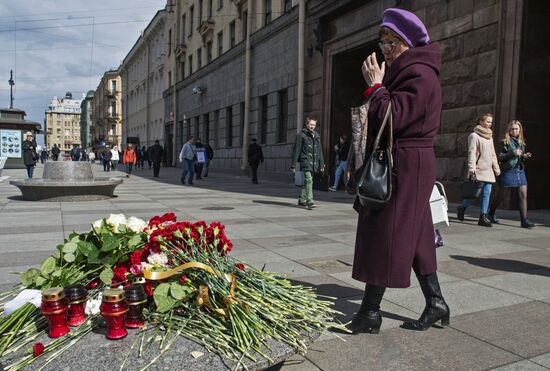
195,289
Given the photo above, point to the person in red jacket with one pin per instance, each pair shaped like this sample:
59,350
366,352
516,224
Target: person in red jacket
129,158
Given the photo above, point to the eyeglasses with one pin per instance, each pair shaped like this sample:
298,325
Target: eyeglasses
387,45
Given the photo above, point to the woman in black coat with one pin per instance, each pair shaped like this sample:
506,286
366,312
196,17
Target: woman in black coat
29,153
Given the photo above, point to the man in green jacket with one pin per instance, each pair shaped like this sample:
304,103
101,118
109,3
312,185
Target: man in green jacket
309,154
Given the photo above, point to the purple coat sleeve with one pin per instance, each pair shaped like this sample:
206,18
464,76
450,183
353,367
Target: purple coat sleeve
410,93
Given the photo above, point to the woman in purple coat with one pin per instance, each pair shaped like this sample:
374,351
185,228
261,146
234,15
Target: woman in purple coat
399,237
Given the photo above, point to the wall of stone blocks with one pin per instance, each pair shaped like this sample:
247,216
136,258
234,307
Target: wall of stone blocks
468,33
274,68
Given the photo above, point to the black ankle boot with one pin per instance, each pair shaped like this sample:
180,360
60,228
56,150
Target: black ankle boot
484,221
460,213
368,318
436,308
492,219
526,223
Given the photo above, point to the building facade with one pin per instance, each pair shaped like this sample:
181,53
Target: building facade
234,78
62,123
490,63
142,76
86,120
107,111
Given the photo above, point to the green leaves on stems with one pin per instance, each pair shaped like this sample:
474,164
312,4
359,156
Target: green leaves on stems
163,298
29,276
48,266
110,243
69,247
106,276
134,241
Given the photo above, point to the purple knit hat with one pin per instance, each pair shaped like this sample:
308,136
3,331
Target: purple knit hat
407,25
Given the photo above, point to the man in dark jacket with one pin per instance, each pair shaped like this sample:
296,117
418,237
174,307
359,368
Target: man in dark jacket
309,154
29,153
106,158
201,159
155,155
55,152
255,158
75,153
342,150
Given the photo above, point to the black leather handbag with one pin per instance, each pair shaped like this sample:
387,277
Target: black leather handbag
374,188
471,188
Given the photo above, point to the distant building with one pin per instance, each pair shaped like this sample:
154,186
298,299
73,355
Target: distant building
142,79
107,111
62,122
86,120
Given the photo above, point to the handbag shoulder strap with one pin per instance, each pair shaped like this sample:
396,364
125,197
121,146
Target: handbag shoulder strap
387,116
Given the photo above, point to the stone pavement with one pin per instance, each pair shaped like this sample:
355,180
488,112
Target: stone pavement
496,281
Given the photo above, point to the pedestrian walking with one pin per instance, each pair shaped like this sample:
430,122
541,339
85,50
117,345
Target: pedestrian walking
115,157
342,150
511,153
30,157
155,153
400,236
75,153
144,156
188,157
106,155
255,158
149,161
139,157
55,152
91,157
482,166
43,155
129,159
309,154
209,157
200,158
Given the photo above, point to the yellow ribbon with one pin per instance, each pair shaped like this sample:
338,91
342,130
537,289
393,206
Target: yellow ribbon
203,297
155,276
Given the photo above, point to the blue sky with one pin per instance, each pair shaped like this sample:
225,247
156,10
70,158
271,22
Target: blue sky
51,51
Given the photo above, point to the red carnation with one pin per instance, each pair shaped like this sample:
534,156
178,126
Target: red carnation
168,217
148,286
120,272
136,257
155,220
92,285
240,266
183,279
37,349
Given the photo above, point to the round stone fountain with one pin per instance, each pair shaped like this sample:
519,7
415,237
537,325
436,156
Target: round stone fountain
67,181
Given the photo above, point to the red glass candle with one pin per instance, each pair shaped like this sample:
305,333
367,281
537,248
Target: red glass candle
114,308
77,296
137,299
54,307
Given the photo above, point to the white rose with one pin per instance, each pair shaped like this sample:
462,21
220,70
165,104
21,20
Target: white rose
92,307
158,260
115,220
97,224
136,224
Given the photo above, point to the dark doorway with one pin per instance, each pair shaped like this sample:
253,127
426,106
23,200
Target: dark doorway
346,92
534,100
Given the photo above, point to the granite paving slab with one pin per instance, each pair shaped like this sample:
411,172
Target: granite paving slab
533,284
543,360
525,365
398,349
462,297
526,331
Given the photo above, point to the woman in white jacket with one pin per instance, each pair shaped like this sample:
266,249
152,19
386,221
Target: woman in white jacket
483,165
115,157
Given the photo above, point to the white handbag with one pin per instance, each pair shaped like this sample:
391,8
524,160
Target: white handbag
439,206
